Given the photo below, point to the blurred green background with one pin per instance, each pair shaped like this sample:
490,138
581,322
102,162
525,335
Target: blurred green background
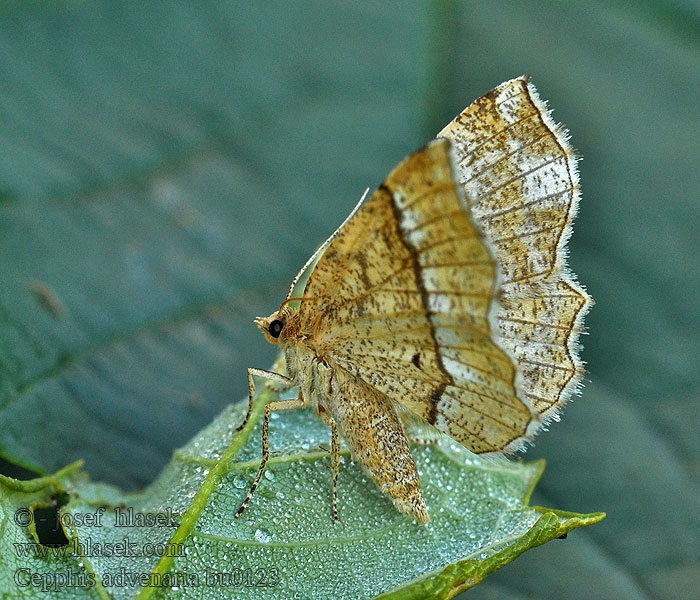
165,168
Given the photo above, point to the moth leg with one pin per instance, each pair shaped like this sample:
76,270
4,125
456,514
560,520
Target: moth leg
270,375
410,421
279,387
335,462
419,440
281,405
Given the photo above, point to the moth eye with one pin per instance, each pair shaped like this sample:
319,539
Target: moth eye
276,328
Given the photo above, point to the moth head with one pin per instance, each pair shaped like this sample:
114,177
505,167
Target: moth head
274,325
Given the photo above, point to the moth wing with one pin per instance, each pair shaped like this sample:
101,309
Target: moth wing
519,171
401,299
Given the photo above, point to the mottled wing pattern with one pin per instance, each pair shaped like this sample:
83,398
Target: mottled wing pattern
401,299
383,448
519,173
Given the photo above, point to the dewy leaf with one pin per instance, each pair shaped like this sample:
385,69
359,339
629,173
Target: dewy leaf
285,544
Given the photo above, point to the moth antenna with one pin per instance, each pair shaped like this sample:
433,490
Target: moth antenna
323,246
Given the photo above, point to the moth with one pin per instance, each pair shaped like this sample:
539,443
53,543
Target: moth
444,297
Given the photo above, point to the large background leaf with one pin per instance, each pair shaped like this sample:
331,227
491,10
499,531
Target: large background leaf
166,167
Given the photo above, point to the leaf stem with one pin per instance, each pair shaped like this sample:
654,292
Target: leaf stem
199,502
34,485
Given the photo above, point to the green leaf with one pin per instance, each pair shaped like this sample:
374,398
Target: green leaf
286,539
